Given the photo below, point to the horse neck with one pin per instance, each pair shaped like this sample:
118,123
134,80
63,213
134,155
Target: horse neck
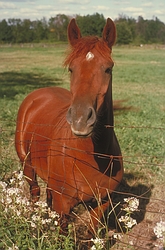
107,108
102,132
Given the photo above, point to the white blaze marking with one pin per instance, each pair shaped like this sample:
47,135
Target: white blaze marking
89,56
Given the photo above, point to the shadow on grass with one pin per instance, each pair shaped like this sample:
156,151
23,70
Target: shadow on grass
13,83
125,190
138,190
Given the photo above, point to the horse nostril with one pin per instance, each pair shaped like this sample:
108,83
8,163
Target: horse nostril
91,116
68,116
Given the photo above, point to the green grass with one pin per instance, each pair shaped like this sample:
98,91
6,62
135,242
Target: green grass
138,79
21,71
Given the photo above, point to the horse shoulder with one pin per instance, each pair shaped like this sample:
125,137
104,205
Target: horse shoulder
38,113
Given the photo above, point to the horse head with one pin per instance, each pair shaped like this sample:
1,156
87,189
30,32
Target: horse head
90,65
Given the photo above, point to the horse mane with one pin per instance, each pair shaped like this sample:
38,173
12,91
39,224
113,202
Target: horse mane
86,44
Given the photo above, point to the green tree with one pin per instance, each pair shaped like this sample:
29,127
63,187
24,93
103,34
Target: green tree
91,24
155,31
5,32
124,34
26,31
58,27
129,30
40,29
16,27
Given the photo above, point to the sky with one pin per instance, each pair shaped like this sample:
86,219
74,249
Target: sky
37,9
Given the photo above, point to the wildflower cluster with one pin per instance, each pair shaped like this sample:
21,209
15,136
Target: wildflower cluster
20,215
42,216
128,221
13,201
159,231
98,244
131,205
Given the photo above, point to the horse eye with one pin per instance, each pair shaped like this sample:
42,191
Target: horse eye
70,70
108,71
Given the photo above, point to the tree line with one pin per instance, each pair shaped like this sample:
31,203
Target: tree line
129,30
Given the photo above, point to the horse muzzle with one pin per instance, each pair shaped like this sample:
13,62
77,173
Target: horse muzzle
81,120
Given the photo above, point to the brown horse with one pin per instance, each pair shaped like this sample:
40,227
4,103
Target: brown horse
62,136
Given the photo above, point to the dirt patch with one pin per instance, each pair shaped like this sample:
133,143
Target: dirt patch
142,235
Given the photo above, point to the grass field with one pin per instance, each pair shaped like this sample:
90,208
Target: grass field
138,80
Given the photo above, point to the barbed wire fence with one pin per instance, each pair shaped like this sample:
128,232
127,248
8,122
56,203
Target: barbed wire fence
147,186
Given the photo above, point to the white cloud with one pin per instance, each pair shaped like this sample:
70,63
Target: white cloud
101,8
119,2
132,9
20,1
44,7
134,12
161,12
4,5
149,4
26,10
75,2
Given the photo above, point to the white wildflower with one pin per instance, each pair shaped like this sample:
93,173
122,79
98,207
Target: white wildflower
132,204
13,191
46,221
41,204
12,181
41,207
8,200
18,213
98,243
6,210
53,214
128,221
18,200
35,217
93,247
117,236
4,185
25,201
21,183
20,175
131,223
43,222
159,229
33,224
55,222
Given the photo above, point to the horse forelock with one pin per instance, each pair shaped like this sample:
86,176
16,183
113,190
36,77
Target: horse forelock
85,45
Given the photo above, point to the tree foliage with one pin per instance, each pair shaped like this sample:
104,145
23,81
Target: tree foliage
129,30
58,27
91,24
139,31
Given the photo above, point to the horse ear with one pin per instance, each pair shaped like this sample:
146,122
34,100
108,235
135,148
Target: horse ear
109,33
73,32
